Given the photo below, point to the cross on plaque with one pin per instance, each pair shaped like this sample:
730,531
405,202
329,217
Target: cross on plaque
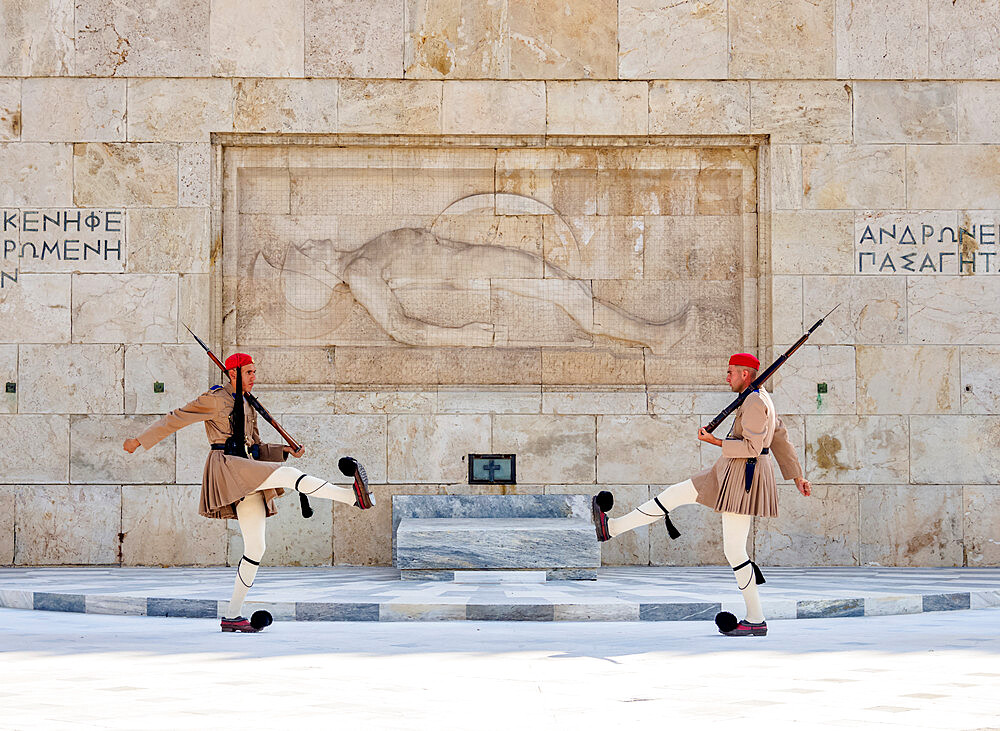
491,467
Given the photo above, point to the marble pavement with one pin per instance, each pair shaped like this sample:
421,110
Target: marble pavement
619,594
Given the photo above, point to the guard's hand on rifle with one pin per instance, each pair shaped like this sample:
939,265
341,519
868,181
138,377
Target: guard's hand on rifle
805,487
288,450
704,436
131,445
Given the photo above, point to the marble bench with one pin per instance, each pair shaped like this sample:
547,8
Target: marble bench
443,537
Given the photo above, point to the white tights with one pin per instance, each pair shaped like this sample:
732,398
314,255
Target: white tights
735,531
251,514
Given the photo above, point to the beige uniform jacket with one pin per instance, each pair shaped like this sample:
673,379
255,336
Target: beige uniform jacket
226,479
723,485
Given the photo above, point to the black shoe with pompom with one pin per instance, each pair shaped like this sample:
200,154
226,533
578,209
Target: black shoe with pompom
601,503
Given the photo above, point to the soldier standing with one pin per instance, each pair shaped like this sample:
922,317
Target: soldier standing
243,476
740,485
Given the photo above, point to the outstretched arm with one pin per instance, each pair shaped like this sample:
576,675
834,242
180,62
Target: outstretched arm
202,408
375,295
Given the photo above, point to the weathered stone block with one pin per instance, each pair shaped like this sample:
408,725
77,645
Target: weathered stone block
939,310
132,38
21,460
881,389
693,247
501,543
7,517
980,387
786,176
354,38
8,374
802,111
161,527
588,366
594,401
263,38
853,176
124,174
576,42
434,448
286,105
981,525
194,305
647,27
292,540
550,449
328,438
786,308
820,530
10,109
858,449
180,368
145,308
365,401
774,40
37,174
493,107
71,379
178,110
955,449
863,51
902,525
96,454
46,28
645,449
699,107
390,107
194,174
191,452
64,524
919,112
36,310
812,242
169,240
796,388
872,309
498,400
597,107
455,39
953,176
959,40
978,116
90,110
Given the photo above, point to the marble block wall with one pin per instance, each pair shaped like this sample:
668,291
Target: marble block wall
878,118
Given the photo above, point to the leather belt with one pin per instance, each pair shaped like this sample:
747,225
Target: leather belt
749,469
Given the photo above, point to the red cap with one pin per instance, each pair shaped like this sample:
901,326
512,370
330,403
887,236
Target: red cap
743,359
237,360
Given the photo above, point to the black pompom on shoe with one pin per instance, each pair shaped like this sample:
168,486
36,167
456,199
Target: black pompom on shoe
605,501
726,621
261,619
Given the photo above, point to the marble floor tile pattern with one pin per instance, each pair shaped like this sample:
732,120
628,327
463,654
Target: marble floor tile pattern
377,594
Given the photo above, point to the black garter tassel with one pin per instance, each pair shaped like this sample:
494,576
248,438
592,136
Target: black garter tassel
671,530
757,575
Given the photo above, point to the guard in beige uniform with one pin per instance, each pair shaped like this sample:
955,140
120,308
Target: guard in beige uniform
740,485
244,487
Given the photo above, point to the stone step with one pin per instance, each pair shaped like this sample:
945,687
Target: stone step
496,543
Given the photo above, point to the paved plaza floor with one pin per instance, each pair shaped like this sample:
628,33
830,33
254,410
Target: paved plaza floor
619,594
934,670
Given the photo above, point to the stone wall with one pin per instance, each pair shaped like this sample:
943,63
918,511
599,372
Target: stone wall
878,117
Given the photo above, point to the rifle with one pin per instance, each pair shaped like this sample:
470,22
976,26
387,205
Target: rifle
768,372
259,408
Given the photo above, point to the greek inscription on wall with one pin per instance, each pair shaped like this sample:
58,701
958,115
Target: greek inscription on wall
941,242
61,240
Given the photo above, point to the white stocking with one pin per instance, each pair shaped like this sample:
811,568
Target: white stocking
251,513
683,493
735,531
290,478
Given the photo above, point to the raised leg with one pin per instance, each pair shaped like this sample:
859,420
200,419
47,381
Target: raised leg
683,493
